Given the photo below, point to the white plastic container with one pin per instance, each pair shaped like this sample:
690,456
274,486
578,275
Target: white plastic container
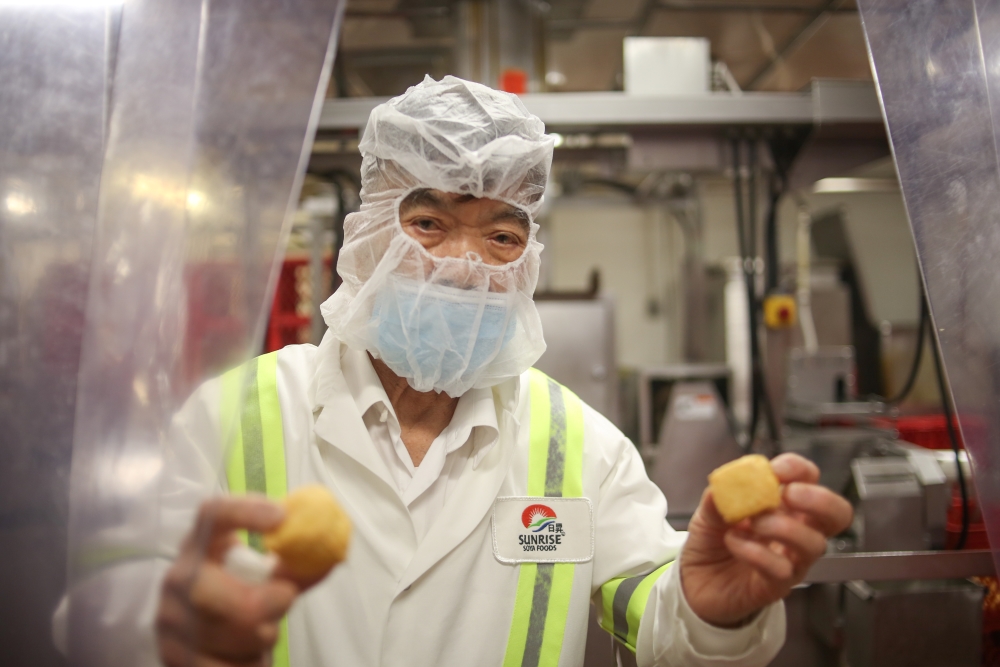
667,65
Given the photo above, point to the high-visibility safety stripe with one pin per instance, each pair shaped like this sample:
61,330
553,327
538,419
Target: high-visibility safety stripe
624,601
555,469
256,460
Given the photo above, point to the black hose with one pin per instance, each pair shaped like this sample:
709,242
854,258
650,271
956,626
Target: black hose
746,226
752,199
747,278
953,438
762,394
918,354
771,264
738,193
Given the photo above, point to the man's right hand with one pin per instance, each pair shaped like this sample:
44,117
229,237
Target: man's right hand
209,618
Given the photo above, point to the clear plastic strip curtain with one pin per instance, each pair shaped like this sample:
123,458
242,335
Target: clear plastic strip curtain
54,69
151,155
937,68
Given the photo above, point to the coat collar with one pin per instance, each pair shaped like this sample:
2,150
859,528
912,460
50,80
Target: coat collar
339,424
329,387
468,504
337,420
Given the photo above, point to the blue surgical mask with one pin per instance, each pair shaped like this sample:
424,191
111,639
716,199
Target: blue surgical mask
439,337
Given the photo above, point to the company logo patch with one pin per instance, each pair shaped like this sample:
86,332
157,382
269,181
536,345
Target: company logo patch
537,518
555,530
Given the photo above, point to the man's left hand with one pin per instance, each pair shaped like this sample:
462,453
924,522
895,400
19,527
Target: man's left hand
729,573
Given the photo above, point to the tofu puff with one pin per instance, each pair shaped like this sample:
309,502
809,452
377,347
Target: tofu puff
745,487
314,534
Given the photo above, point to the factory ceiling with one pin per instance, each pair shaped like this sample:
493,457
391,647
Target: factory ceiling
769,45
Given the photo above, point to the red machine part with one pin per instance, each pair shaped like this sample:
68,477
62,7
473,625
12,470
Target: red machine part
291,320
216,331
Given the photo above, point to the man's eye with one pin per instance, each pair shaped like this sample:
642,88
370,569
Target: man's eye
425,224
505,239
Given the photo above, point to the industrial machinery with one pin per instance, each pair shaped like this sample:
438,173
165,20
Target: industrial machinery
579,334
106,324
688,407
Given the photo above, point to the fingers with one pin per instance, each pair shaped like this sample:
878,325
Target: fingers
209,618
219,517
301,582
783,544
794,468
824,509
804,543
175,653
225,514
176,650
769,562
217,593
223,617
708,510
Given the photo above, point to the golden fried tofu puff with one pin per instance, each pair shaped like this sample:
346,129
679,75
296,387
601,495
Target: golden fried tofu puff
314,535
745,487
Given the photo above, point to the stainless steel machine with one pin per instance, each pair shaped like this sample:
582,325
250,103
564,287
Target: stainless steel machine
898,624
580,335
695,439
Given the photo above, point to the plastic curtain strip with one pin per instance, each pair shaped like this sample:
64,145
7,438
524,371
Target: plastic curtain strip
53,64
937,67
214,105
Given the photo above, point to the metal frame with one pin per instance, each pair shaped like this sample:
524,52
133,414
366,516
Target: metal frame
827,102
901,565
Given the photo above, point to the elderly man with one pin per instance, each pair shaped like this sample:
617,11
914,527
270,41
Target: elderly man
491,506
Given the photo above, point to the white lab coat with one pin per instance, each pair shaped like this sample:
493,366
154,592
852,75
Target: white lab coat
446,601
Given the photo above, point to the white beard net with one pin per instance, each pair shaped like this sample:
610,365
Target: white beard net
445,324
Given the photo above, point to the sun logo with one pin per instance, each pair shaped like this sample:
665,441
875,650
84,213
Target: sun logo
537,517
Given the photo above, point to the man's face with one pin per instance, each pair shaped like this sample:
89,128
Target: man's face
451,225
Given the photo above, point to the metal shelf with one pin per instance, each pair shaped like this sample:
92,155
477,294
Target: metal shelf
902,565
827,102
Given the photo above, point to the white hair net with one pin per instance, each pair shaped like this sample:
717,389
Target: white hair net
458,137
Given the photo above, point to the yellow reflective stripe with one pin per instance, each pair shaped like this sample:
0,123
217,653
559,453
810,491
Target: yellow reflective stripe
555,469
538,448
624,602
573,475
607,601
637,603
232,435
562,576
538,451
555,618
260,421
279,656
275,474
271,428
522,615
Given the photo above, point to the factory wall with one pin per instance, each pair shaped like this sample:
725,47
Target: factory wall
638,251
880,239
632,247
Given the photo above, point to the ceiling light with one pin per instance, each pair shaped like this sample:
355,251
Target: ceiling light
195,199
829,186
17,203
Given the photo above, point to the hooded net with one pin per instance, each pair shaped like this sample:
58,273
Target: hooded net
457,137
